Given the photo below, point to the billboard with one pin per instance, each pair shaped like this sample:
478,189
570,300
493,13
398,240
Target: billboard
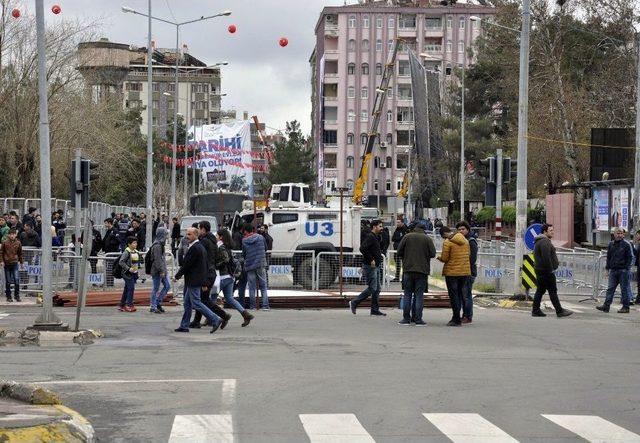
601,209
225,155
619,208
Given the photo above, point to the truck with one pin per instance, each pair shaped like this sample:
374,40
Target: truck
298,227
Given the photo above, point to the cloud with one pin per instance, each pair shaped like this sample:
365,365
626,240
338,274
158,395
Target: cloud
262,78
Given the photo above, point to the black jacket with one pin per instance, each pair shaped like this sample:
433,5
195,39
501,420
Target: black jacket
110,242
398,234
211,247
370,249
544,253
619,255
31,239
194,268
416,250
175,231
268,240
473,254
96,242
385,240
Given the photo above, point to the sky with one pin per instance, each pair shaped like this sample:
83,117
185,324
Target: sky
262,78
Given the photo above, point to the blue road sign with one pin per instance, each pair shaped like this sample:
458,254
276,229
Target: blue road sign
530,235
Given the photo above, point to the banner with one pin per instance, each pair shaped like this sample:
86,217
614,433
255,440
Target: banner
620,208
225,155
601,209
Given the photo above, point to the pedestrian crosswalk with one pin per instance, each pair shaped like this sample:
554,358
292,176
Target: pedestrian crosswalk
346,428
3,315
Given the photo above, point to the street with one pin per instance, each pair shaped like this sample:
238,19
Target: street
320,376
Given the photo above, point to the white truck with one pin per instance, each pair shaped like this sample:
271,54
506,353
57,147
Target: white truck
298,227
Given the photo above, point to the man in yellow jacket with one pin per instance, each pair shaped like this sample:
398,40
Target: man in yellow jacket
457,269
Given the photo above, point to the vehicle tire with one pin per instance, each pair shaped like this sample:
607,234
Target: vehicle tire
328,273
304,273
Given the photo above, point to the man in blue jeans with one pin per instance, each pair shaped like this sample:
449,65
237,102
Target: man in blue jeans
158,270
372,259
467,303
254,250
194,268
415,251
619,262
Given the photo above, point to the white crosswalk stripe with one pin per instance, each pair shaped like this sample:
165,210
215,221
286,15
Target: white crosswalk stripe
2,315
334,428
594,429
202,429
469,428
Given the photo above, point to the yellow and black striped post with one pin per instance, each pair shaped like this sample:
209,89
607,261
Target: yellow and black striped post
529,279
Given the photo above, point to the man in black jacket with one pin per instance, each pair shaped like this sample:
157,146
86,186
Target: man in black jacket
195,270
467,305
210,244
372,259
110,244
175,236
546,262
619,262
398,235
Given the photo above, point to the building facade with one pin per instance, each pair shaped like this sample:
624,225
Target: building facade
353,43
115,68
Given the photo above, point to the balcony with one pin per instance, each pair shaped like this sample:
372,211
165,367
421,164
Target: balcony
330,79
433,49
407,32
331,54
330,30
330,99
330,124
434,32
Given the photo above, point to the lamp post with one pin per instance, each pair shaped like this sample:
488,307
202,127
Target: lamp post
177,25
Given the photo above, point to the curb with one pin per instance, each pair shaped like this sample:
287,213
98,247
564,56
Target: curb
68,425
34,336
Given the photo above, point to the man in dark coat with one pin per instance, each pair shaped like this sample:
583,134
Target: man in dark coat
110,244
372,260
398,235
195,270
546,262
619,262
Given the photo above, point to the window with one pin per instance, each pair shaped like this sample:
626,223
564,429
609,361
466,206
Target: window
390,92
331,184
156,86
389,138
134,87
365,45
351,69
351,92
170,104
352,21
364,92
378,45
449,22
388,185
405,138
365,69
463,21
461,47
364,116
295,195
350,162
351,116
363,138
330,161
379,22
171,87
405,115
365,21
401,161
389,116
350,138
330,137
155,104
449,46
376,162
403,68
277,218
407,21
350,185
351,45
378,68
390,45
447,70
398,185
433,23
375,183
389,163
391,23
404,92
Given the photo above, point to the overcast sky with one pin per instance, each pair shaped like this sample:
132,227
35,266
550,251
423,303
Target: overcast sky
262,78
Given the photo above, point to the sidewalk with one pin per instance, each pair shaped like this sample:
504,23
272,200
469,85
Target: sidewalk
34,414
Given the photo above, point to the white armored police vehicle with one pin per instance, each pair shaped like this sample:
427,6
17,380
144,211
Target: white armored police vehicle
299,227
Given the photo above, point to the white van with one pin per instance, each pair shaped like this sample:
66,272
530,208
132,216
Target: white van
188,220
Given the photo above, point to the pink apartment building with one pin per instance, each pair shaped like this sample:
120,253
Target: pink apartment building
353,42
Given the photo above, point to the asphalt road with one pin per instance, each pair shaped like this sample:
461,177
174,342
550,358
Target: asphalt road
327,376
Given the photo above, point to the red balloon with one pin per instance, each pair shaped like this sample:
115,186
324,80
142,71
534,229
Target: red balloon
232,29
56,9
284,42
15,13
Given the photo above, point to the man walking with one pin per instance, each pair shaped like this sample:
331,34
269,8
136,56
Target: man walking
110,244
158,271
175,236
619,262
546,262
11,259
415,250
255,261
194,269
372,259
398,235
467,305
457,269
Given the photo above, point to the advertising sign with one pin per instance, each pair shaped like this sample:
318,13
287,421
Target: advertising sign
601,209
225,152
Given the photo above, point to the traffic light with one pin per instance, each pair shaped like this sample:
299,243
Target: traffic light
489,194
487,169
513,169
81,184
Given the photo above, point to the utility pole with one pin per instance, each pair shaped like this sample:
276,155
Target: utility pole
149,223
636,181
499,171
46,320
523,123
77,214
341,190
462,149
176,101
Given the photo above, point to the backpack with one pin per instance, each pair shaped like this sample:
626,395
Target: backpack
116,270
148,263
235,268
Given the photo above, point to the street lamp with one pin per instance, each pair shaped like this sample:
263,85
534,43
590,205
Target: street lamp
475,18
177,25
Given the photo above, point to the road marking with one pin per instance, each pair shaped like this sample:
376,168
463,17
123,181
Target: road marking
169,380
334,428
575,308
469,428
594,429
3,315
202,428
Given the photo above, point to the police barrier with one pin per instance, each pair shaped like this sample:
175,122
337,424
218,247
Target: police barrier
328,271
287,269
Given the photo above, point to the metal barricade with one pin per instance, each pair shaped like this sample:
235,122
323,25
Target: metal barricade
289,269
328,271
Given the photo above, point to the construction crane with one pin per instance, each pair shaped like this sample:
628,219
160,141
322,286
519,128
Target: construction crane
381,95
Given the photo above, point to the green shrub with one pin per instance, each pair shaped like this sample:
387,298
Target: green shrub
509,214
488,213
